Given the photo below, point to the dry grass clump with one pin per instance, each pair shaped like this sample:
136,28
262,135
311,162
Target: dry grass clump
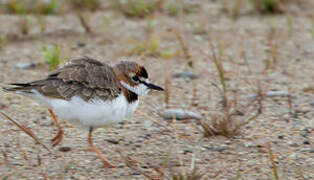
151,46
237,7
3,41
233,116
230,121
142,8
268,6
273,6
136,8
24,24
48,7
177,7
148,47
52,55
191,175
30,7
85,4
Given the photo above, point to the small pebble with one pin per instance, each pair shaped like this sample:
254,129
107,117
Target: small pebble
16,164
147,136
148,124
308,130
306,142
7,145
121,166
276,94
306,150
215,148
64,149
136,173
138,145
272,94
186,151
292,144
112,141
249,144
187,75
128,143
303,110
293,156
46,123
227,142
2,106
281,137
81,44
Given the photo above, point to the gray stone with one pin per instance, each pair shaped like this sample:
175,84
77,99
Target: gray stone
46,122
272,94
216,148
187,75
277,94
310,150
292,144
112,141
26,65
308,130
249,144
180,114
293,156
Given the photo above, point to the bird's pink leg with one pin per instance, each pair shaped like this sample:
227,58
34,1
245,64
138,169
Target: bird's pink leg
106,163
58,138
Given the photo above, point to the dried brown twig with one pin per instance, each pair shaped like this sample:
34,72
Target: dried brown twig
84,22
185,50
26,130
221,73
272,161
131,163
5,156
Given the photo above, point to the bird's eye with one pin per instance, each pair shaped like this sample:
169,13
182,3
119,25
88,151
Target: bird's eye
135,78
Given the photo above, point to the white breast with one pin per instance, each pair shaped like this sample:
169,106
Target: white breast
94,113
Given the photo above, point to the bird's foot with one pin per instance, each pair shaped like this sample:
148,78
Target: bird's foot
108,165
58,138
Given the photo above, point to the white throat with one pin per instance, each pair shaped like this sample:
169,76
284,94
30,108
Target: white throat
140,89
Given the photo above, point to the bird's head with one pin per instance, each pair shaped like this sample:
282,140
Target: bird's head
134,77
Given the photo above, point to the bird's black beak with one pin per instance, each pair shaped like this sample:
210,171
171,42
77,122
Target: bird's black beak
153,86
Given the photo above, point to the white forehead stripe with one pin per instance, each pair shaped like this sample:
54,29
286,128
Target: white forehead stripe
144,80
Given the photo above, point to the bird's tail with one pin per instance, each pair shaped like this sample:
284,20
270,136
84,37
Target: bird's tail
16,87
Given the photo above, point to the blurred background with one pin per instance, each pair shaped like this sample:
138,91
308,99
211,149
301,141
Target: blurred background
238,76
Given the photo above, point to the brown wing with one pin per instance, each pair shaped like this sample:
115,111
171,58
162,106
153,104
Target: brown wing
87,78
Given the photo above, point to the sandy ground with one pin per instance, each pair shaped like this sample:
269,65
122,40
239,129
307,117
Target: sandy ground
244,156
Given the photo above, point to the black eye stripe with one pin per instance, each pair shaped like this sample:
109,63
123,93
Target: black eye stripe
135,78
